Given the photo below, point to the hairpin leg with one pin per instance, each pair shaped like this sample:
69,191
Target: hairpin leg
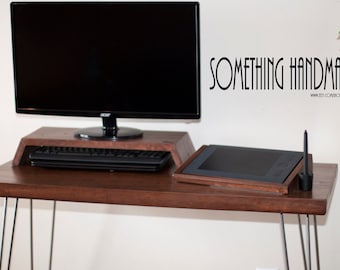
4,218
52,234
4,214
302,242
31,231
309,259
13,232
284,242
316,243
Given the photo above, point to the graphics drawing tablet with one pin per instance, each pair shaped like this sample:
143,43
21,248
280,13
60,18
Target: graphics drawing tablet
266,165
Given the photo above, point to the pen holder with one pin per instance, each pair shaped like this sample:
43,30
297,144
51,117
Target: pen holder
305,181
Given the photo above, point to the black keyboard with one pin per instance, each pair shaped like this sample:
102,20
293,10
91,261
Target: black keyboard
98,158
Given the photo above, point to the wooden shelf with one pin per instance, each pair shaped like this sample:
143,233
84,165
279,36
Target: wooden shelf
178,143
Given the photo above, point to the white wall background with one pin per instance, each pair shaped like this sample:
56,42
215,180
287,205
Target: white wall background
125,237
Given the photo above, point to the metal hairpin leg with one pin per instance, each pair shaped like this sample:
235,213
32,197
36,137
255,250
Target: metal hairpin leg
316,243
31,232
52,234
4,215
309,256
308,260
4,229
284,241
13,232
302,243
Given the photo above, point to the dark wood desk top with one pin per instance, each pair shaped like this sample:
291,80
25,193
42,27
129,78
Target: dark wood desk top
160,189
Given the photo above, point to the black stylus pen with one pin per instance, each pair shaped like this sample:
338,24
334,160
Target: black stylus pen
305,152
305,177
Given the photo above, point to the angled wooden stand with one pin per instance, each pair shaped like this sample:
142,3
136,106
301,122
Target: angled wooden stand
290,183
178,143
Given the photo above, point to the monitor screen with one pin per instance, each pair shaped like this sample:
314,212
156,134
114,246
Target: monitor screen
107,59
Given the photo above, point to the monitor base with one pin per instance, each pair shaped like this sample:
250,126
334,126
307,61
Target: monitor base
109,131
100,133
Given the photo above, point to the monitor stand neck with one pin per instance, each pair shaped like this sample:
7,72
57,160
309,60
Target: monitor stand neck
110,127
109,131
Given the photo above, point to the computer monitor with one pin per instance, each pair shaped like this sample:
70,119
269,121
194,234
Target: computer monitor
107,59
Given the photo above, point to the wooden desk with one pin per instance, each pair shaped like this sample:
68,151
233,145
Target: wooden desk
159,189
148,189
